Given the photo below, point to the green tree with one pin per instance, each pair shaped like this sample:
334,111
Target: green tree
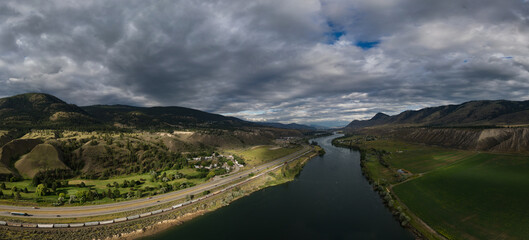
109,193
116,193
81,196
210,175
3,186
18,196
41,190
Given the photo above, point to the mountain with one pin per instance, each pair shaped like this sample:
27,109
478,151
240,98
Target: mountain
41,110
288,126
378,119
473,113
147,117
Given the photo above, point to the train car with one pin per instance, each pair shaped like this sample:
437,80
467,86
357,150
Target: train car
19,214
73,225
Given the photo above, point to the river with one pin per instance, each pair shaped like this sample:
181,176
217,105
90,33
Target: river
330,199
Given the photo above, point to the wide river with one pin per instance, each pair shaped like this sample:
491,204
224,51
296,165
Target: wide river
330,199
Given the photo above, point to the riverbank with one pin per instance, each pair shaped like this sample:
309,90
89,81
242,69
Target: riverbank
377,171
152,225
282,175
329,199
448,193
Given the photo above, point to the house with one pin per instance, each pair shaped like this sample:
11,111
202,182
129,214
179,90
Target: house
404,172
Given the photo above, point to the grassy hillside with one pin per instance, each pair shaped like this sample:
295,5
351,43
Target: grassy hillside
12,151
115,166
262,154
42,157
102,155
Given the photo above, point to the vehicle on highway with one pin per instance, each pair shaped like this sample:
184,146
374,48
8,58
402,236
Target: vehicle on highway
19,214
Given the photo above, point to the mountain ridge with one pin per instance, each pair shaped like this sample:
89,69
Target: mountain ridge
32,110
288,126
472,113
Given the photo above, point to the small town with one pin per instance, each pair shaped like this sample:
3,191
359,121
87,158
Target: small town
216,161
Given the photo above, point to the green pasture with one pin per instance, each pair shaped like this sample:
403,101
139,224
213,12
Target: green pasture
484,196
415,158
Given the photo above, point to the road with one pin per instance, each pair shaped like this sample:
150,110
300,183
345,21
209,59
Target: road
96,210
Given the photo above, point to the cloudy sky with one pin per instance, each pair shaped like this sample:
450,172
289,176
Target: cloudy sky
321,62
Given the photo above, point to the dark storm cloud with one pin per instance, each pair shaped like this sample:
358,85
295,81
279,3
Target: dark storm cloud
270,60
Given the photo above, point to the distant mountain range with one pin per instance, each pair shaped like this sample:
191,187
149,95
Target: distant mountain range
143,117
290,126
33,110
473,113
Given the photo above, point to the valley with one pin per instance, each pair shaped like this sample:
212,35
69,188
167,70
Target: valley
118,161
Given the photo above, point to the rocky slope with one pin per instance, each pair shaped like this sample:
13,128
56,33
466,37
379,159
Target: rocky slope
493,139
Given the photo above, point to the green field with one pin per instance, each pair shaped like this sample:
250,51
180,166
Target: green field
99,185
460,194
412,157
262,154
482,197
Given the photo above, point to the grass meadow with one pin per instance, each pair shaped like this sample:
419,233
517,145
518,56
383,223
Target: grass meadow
461,194
484,196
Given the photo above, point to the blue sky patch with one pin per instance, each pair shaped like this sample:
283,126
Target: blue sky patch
367,45
335,34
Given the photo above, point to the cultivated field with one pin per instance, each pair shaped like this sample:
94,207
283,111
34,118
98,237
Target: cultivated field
460,194
412,157
484,196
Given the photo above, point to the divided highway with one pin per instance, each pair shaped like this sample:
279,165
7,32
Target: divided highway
96,210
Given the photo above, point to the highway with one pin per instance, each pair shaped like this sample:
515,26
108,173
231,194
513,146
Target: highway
125,206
